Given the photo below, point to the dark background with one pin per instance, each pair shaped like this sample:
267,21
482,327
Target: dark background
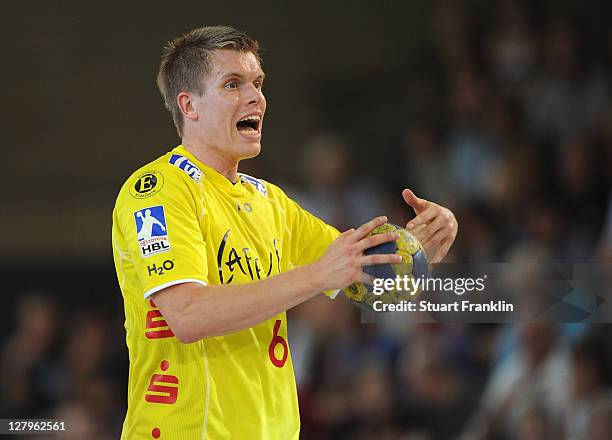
82,110
500,110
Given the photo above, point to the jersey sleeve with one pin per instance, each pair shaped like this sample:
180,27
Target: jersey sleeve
309,236
158,217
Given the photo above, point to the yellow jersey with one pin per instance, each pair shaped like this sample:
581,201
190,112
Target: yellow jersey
177,220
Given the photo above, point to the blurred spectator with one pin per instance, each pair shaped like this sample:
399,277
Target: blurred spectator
432,388
537,373
85,373
450,36
27,357
563,99
591,377
583,194
426,165
600,418
334,192
534,423
511,47
474,150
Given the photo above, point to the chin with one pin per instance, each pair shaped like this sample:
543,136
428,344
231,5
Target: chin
250,151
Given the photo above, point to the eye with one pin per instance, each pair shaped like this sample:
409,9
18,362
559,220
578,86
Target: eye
231,84
258,84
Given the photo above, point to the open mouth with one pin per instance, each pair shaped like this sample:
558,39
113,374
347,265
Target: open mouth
249,125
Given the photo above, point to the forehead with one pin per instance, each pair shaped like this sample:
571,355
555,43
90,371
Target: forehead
227,61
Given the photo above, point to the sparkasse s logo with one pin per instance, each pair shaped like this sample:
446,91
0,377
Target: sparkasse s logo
151,230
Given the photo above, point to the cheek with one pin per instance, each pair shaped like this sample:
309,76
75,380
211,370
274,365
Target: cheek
217,124
223,115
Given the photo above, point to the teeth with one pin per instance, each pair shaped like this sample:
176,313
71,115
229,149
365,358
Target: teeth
251,118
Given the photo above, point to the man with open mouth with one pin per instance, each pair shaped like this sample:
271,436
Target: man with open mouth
209,259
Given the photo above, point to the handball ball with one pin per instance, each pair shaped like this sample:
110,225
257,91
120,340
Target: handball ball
414,265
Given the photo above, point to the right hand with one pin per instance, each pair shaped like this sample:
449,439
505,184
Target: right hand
343,262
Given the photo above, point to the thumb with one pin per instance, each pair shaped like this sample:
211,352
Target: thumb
411,199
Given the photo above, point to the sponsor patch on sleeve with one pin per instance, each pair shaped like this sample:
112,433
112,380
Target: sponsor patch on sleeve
187,166
146,184
151,231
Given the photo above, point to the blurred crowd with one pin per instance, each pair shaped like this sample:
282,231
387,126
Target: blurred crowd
506,119
68,364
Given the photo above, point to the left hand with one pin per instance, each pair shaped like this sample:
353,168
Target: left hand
434,226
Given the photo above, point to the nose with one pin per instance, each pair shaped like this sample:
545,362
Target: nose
253,95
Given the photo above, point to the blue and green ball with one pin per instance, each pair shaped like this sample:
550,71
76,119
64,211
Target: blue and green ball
414,264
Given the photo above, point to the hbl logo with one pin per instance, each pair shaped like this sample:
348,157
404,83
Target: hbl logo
151,230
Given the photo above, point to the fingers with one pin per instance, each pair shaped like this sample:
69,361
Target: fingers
417,232
375,240
436,238
371,260
368,227
422,218
433,228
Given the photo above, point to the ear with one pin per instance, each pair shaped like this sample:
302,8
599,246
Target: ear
184,101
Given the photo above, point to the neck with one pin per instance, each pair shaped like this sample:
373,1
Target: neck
214,158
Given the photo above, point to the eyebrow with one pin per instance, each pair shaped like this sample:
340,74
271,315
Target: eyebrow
240,76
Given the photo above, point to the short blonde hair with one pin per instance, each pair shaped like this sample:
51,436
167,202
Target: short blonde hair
186,60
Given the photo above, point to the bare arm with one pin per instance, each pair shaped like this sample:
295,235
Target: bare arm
195,312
